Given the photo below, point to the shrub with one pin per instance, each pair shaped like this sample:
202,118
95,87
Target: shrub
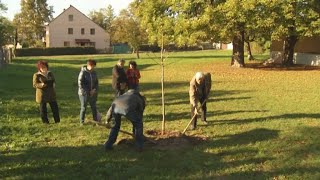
55,51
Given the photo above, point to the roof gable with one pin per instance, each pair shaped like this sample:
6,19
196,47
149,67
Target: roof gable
66,12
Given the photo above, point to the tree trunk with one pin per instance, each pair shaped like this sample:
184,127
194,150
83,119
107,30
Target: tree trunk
15,42
138,55
1,57
238,50
250,57
162,90
288,50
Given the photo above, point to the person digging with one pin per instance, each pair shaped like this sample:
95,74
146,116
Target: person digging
200,86
131,105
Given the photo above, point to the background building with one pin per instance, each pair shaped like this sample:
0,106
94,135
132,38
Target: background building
73,29
306,51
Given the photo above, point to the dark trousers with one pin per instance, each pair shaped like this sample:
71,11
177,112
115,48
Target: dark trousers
84,100
44,112
203,112
137,123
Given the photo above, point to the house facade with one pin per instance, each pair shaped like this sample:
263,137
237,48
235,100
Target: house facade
306,51
74,29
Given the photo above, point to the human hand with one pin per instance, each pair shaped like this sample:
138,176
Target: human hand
92,92
196,110
43,85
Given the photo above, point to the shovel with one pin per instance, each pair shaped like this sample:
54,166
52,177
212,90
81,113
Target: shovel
131,134
184,131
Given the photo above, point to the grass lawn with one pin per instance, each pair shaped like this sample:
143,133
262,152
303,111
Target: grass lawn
263,124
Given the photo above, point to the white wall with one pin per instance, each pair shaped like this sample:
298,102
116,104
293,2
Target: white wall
57,30
299,58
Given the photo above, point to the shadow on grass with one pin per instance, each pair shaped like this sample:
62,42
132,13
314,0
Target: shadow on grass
221,113
92,162
292,116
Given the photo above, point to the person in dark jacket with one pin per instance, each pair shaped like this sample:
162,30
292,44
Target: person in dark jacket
200,87
44,82
119,78
88,90
131,105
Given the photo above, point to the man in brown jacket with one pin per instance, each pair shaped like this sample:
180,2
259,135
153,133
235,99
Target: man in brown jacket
200,87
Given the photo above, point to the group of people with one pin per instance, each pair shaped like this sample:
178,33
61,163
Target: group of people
130,104
44,83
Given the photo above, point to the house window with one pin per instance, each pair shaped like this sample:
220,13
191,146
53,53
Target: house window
70,30
82,31
70,17
92,31
66,44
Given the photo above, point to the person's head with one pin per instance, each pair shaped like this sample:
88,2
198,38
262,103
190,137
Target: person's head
42,66
132,65
91,64
199,77
121,62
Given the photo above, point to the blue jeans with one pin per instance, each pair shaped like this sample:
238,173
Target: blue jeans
84,102
136,120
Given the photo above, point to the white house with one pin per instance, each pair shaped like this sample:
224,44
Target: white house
73,29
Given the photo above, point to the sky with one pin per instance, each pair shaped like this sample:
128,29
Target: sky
85,6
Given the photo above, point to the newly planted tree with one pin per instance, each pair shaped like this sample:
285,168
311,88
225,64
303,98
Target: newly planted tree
158,19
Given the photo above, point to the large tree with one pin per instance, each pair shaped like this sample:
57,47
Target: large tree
3,7
127,29
6,31
223,20
6,27
31,21
104,17
294,19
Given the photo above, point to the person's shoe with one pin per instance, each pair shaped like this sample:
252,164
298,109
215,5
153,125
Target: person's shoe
192,127
205,122
82,123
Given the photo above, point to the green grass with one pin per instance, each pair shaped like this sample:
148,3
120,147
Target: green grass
263,124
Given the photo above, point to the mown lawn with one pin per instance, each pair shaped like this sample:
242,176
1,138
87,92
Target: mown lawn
263,124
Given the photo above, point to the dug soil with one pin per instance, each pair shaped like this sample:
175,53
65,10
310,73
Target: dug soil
169,140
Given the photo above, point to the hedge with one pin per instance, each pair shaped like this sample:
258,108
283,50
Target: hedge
55,51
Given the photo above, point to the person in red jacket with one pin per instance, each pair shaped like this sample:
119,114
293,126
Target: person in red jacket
133,75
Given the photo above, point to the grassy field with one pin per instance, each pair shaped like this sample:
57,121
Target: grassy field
263,123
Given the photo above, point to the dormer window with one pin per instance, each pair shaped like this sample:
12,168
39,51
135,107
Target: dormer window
70,17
